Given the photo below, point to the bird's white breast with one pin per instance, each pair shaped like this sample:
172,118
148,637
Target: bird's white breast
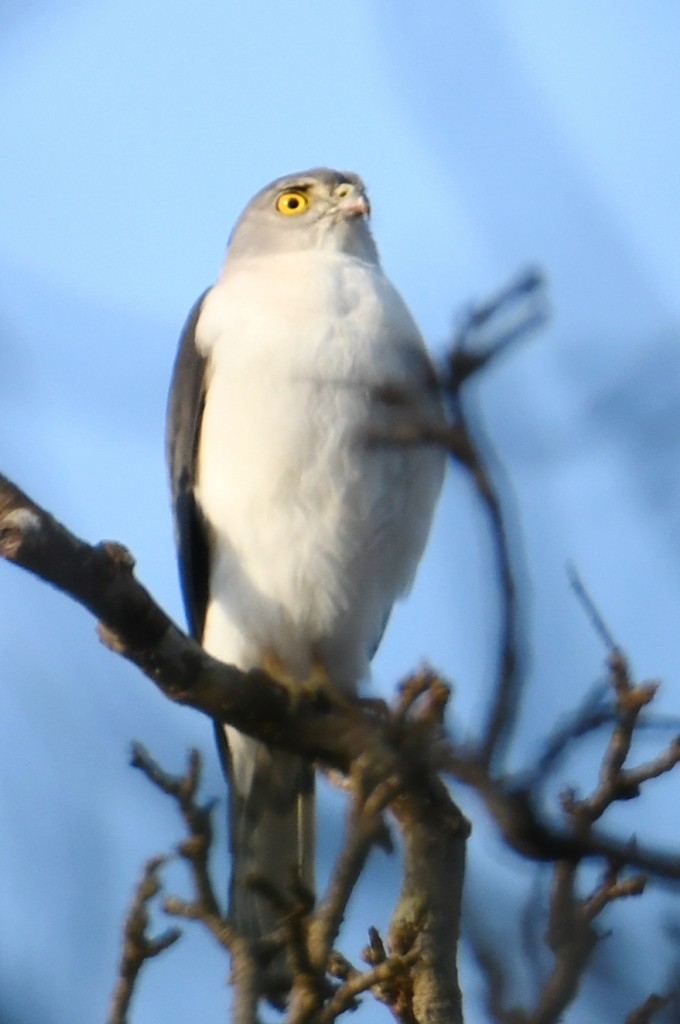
316,530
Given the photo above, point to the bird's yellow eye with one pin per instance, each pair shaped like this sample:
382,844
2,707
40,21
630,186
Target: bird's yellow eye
291,202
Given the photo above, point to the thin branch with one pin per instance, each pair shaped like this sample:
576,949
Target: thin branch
365,828
526,829
561,986
647,1011
611,889
482,336
195,850
571,935
505,701
490,328
591,715
385,979
137,946
571,938
616,783
592,611
514,807
663,763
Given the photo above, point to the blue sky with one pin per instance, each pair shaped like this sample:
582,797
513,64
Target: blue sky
492,135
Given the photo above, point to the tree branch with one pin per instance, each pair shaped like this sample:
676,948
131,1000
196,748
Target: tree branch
487,331
137,946
313,725
101,579
204,906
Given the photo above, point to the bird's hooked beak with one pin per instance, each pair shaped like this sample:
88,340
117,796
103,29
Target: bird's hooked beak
352,202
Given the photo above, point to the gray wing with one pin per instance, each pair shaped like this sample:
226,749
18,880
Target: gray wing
185,412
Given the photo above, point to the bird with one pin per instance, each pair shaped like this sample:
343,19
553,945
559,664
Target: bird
302,496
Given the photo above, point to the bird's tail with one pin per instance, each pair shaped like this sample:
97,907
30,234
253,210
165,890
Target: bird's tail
271,831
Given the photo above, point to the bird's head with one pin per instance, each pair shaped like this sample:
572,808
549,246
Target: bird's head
318,209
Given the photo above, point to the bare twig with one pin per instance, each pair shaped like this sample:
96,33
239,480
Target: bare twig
664,762
195,848
515,807
591,717
137,946
365,828
616,782
526,829
385,980
612,888
483,334
572,940
571,935
494,971
505,701
489,328
647,1011
591,610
